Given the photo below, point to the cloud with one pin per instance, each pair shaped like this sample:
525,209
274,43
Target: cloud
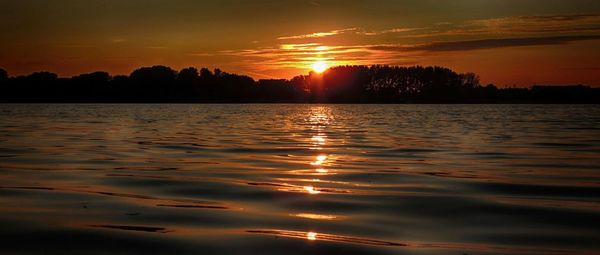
318,34
155,47
485,43
77,46
515,25
390,31
118,40
351,31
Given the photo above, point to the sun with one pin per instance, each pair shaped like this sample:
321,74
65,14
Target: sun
319,66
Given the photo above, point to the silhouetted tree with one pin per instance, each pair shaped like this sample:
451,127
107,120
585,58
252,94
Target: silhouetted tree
188,75
346,83
154,83
470,80
41,78
233,87
275,90
35,87
188,85
3,76
153,75
205,73
218,72
87,87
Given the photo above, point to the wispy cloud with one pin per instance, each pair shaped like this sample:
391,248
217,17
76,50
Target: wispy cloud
516,25
77,46
317,34
117,40
534,23
485,43
155,47
203,54
391,31
351,31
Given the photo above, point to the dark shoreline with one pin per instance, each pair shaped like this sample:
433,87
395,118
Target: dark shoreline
337,85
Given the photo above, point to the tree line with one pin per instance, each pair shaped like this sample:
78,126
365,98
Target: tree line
341,84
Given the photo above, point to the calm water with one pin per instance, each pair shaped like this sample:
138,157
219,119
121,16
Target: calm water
299,179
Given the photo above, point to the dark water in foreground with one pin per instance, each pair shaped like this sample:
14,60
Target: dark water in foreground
299,179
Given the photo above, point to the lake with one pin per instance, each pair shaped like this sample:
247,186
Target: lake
299,179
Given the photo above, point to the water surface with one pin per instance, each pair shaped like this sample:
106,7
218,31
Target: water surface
299,179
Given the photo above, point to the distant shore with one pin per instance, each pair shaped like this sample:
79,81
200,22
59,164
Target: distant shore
342,84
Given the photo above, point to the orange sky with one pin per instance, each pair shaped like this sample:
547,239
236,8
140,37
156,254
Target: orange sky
506,42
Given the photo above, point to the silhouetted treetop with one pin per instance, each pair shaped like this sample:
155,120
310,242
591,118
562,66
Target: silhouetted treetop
188,75
94,78
41,77
153,75
3,75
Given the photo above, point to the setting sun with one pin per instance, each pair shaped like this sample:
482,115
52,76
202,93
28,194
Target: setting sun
319,66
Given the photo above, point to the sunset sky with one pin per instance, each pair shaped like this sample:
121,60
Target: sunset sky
506,42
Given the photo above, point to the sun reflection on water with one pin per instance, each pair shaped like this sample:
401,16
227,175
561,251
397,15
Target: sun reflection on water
319,139
311,236
315,216
321,170
319,119
319,160
311,190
